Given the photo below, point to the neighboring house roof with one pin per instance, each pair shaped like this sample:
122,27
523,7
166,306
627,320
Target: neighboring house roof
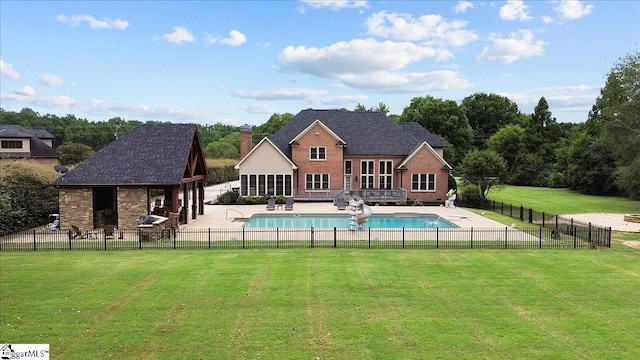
38,149
146,155
364,132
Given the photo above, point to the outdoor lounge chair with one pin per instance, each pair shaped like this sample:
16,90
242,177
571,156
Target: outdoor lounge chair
77,233
340,203
271,204
289,204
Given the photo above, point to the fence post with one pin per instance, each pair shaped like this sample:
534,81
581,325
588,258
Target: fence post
243,237
530,216
209,236
335,240
510,210
34,240
543,219
501,207
34,245
437,237
589,233
575,234
277,237
369,238
521,213
540,238
104,234
312,236
174,240
575,242
472,237
609,238
556,222
403,237
506,232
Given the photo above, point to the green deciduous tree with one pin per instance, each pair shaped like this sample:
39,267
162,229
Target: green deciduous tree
488,113
444,118
507,142
73,153
484,168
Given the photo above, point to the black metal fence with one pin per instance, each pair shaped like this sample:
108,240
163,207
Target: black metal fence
251,238
559,225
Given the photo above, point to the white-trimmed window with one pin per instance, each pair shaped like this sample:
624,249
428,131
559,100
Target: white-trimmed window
317,153
265,184
423,182
367,171
317,182
386,174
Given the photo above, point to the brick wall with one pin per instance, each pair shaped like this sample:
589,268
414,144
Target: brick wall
425,162
76,207
333,165
132,203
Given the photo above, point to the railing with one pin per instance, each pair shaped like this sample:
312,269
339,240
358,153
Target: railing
251,238
380,195
559,225
315,195
227,213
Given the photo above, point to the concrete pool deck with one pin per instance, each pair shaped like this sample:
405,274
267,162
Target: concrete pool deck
226,216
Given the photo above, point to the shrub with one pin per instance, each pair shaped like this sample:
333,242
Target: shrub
401,202
417,202
470,194
26,195
230,197
221,171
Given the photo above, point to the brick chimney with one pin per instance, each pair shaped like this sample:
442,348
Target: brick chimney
246,143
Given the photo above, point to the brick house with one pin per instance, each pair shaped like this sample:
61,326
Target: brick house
115,186
323,154
17,142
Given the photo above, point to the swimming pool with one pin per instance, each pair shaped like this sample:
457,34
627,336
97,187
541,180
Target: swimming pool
342,221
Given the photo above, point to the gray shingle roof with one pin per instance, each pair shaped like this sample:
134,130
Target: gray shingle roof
147,155
38,148
421,134
365,132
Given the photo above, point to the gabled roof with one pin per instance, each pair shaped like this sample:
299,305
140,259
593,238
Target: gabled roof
422,134
147,155
265,140
364,132
317,122
38,149
430,149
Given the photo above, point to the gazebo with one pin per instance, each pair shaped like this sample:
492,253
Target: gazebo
116,185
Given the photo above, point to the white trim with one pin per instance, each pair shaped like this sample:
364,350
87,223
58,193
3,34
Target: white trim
435,153
318,153
385,174
313,182
325,127
435,183
293,166
373,185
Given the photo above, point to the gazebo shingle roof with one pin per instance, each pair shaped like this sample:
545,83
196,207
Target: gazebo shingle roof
147,155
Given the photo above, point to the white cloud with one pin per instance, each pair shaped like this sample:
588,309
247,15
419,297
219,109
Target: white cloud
236,38
334,5
432,29
279,94
573,9
355,56
519,45
258,109
391,82
462,6
179,35
51,80
570,88
94,23
26,91
6,70
515,10
547,19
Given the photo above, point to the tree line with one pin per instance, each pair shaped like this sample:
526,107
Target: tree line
489,140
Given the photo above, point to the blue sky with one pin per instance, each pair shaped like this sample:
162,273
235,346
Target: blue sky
238,62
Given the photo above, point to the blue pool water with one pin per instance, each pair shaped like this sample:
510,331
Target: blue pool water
342,221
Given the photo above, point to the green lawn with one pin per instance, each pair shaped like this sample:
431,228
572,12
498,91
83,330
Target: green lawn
324,303
563,201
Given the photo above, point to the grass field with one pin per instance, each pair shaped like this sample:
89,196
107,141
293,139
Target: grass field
324,303
563,201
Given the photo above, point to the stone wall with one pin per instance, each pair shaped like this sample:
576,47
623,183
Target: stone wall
132,204
76,207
